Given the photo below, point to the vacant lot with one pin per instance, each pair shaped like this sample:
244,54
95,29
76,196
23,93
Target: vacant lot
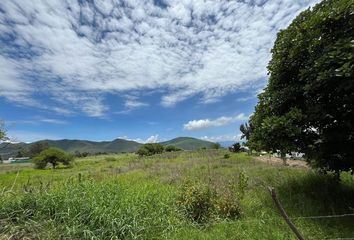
127,197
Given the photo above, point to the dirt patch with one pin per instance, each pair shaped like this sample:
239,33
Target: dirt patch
278,161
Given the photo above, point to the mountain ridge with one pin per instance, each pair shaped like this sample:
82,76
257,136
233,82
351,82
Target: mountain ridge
117,145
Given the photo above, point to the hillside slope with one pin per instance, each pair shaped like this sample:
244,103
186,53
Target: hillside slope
188,143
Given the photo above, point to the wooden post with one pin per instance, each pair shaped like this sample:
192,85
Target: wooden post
284,215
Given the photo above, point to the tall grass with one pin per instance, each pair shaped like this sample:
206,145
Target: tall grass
135,198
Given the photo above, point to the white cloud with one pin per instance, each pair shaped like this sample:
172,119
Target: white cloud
222,138
151,139
218,122
53,121
76,53
132,102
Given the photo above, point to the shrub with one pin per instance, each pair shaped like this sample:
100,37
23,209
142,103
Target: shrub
196,201
201,203
215,146
54,156
228,206
171,148
226,155
149,149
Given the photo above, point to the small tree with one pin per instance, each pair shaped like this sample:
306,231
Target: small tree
53,156
149,149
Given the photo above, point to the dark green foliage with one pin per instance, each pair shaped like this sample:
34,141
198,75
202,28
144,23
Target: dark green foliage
235,147
20,154
226,155
216,146
81,154
150,149
171,148
52,156
246,130
308,105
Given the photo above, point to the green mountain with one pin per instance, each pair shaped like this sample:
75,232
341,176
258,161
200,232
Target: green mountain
116,146
188,143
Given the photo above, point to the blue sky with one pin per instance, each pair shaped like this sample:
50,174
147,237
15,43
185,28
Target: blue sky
145,70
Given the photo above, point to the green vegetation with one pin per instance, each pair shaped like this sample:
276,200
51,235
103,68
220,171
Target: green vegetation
202,203
246,130
188,143
215,146
134,197
53,156
308,103
171,148
150,149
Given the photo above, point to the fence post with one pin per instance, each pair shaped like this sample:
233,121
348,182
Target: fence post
284,215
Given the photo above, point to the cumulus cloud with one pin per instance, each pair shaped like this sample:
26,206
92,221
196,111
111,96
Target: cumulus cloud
151,139
77,52
218,122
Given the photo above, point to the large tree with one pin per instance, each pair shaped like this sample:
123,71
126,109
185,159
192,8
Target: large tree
308,105
53,156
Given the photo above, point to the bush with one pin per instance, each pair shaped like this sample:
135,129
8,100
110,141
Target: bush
53,156
149,149
196,201
171,148
201,203
228,206
215,146
226,155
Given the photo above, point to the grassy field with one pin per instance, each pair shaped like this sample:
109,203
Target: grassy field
127,197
